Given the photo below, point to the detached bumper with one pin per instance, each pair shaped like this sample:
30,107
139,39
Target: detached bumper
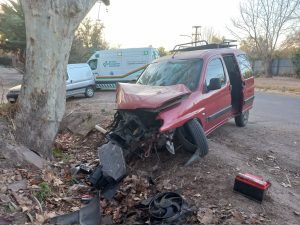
12,97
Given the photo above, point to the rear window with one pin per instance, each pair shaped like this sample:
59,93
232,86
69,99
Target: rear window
173,72
93,64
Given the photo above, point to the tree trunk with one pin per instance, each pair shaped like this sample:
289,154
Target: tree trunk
268,67
50,27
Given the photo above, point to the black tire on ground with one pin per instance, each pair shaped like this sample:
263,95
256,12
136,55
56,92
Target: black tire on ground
242,119
191,136
89,92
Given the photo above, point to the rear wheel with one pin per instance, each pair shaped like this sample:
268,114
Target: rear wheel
89,92
242,119
192,137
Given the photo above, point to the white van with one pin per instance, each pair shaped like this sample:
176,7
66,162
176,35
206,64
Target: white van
80,80
120,65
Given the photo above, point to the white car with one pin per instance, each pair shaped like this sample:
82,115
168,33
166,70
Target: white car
80,80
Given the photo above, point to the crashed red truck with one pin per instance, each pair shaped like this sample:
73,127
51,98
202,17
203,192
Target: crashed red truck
180,99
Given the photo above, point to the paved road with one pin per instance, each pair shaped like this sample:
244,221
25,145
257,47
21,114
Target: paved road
8,78
277,111
270,109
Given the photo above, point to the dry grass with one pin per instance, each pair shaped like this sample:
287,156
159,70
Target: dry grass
282,84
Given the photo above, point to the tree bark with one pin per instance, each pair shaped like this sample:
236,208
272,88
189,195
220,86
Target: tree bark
50,27
268,67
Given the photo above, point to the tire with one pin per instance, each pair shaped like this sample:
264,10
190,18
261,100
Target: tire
192,136
89,92
242,119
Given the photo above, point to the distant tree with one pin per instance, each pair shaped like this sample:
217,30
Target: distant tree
162,51
88,39
210,35
292,41
12,28
264,22
296,61
248,45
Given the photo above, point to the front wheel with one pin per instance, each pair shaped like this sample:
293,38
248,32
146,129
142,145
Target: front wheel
192,137
242,119
89,92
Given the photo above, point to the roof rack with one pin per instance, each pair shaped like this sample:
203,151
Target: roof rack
201,45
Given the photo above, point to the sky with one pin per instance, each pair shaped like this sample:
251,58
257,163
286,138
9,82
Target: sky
160,23
140,23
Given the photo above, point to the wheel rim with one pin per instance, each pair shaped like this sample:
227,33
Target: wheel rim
246,116
90,92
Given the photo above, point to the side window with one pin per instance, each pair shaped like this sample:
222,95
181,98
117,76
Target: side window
93,64
215,70
245,66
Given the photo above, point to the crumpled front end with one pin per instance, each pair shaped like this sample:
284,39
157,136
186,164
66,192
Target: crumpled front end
136,96
138,131
136,126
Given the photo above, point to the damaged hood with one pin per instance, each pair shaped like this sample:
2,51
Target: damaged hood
137,96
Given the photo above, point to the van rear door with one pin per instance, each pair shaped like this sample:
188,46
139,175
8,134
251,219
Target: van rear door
247,81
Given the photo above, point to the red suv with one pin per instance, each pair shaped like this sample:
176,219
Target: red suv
180,99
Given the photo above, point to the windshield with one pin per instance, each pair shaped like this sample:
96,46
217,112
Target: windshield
173,72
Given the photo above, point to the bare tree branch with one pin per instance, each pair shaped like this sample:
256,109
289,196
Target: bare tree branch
264,22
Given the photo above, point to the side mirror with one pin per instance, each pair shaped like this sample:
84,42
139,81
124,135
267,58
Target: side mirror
214,84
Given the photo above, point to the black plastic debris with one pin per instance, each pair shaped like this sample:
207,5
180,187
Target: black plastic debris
112,169
88,215
112,160
106,184
105,178
166,208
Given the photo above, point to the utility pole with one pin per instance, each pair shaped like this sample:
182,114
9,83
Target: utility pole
196,34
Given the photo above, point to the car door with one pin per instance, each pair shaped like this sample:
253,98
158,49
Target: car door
218,102
248,81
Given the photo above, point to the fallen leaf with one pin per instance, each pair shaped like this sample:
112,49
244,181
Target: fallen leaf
40,218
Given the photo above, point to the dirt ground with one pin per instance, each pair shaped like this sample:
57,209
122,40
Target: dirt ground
266,148
279,84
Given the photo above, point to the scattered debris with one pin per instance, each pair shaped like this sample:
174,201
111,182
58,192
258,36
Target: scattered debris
287,185
22,184
166,208
89,215
101,129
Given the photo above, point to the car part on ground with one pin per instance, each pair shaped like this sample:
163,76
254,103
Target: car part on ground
105,179
251,186
88,215
112,169
164,208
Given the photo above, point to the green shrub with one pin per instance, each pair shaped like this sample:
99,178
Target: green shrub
44,191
